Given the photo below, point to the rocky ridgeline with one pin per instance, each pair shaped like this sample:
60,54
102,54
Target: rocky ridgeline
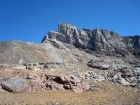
97,40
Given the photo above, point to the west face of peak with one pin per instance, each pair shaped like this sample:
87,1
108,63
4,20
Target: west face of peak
97,40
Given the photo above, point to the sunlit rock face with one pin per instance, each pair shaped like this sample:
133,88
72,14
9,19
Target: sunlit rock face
98,40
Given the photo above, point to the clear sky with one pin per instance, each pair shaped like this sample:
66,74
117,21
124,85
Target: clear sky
30,20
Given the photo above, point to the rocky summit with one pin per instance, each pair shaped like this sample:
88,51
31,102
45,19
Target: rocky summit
99,41
94,62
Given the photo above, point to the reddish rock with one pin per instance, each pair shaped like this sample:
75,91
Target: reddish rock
76,89
85,86
56,86
80,87
45,82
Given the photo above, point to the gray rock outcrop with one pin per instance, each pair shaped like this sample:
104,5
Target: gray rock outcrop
109,64
16,85
98,40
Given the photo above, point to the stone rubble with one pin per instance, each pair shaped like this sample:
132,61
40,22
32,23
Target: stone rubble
78,82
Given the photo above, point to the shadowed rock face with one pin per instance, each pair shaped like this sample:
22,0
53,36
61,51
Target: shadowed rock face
97,40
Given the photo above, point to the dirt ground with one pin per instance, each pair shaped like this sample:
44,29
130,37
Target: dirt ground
108,94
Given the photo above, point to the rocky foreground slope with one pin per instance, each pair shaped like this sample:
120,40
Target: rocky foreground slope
70,59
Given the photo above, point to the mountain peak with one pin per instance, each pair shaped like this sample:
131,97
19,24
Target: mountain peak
97,40
65,25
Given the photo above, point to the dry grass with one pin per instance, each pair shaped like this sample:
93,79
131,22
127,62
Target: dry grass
108,94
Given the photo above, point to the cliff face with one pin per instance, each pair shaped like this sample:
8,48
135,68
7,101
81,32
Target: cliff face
98,40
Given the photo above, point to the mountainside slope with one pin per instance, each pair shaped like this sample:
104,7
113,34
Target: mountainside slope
16,52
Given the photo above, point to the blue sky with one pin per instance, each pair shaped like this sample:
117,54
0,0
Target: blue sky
30,20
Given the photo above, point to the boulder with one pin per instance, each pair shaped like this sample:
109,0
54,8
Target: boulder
133,84
29,76
138,86
61,79
126,73
93,88
122,81
138,77
31,68
74,79
98,64
119,79
108,64
39,82
56,86
16,85
81,87
91,76
76,89
117,75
